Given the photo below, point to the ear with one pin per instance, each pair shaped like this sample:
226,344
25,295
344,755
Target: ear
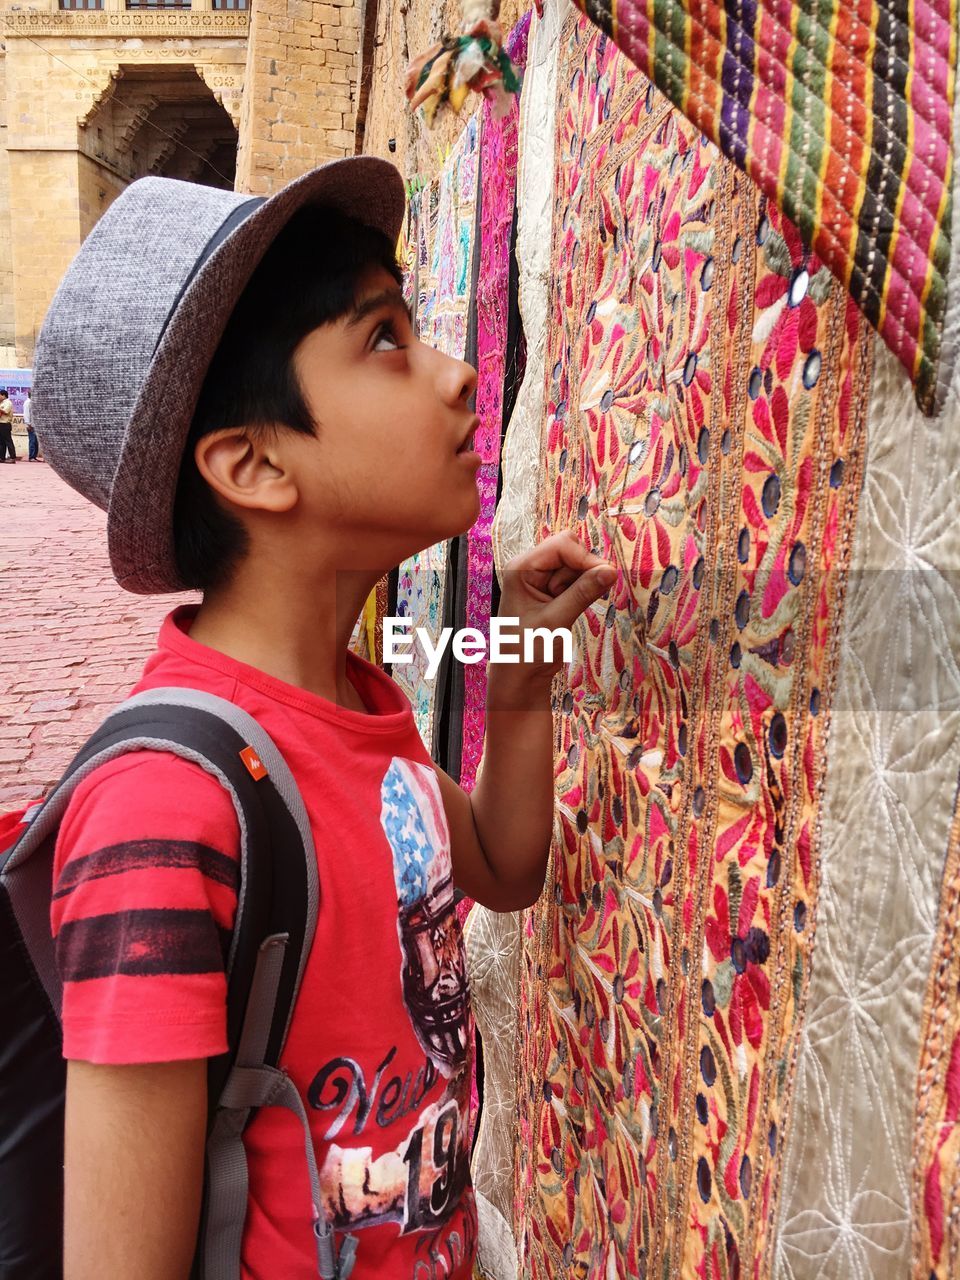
247,469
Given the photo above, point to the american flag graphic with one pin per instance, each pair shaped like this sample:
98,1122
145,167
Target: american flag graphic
411,812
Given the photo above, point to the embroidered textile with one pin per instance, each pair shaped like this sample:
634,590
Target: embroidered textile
706,386
498,169
492,938
408,246
888,803
513,526
841,113
445,231
936,1218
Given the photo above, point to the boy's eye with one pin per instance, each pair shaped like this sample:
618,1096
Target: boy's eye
386,339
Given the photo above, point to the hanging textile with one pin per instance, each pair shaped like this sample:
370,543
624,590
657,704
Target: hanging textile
706,390
408,245
492,943
450,684
513,525
936,1189
446,228
492,938
865,1145
841,112
498,168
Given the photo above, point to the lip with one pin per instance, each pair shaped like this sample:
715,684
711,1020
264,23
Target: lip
466,449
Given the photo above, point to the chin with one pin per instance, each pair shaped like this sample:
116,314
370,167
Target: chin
461,514
471,515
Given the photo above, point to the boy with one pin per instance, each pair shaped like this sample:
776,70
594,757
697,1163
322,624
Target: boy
286,440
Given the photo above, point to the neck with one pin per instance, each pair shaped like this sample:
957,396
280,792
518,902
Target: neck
296,630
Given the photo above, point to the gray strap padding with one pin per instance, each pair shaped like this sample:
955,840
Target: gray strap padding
227,1204
252,1084
258,738
227,1179
258,1018
269,1087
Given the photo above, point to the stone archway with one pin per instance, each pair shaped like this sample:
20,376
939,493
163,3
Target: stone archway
160,120
96,99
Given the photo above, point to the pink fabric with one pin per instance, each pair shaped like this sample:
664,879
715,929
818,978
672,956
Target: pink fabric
498,181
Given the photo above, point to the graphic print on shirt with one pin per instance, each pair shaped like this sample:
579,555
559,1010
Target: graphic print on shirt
420,1182
434,968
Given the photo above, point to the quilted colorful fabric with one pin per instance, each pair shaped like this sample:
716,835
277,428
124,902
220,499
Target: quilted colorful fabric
445,243
706,386
841,112
498,180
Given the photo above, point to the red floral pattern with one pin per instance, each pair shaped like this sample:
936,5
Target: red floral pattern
706,387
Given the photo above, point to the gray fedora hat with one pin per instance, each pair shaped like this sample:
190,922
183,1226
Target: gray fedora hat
133,327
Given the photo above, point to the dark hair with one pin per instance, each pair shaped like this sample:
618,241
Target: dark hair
307,278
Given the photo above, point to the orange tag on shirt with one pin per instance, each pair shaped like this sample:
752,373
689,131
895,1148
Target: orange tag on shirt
255,766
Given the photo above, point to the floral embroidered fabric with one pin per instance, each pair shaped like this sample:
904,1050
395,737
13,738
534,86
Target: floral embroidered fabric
706,382
445,242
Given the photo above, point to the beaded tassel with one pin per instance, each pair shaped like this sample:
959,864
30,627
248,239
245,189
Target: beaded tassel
474,60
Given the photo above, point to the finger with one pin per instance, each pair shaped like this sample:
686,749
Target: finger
580,595
549,583
560,579
557,551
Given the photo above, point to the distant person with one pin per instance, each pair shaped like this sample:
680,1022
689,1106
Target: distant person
33,444
6,428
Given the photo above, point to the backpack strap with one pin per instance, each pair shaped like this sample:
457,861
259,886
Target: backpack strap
277,906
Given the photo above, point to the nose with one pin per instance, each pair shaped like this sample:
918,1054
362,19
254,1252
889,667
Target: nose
458,380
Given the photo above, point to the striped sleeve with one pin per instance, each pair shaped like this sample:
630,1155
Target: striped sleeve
145,887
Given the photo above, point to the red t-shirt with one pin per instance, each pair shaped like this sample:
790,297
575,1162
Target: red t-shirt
145,886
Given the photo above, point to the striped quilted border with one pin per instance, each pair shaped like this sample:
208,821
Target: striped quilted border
841,112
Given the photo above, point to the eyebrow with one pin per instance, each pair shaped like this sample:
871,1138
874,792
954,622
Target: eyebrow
375,302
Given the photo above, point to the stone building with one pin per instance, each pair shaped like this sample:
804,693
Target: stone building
96,93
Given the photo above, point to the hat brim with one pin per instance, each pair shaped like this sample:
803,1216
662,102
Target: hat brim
140,515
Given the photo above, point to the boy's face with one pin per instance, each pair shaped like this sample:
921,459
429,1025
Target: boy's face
391,469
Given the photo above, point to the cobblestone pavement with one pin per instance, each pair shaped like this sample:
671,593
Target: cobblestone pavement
73,642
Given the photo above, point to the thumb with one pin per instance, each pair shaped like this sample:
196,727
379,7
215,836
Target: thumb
581,594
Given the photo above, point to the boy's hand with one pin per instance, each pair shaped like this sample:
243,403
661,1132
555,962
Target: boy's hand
550,586
500,833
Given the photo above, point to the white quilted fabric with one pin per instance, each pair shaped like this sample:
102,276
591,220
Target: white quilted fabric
492,941
497,1254
891,785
